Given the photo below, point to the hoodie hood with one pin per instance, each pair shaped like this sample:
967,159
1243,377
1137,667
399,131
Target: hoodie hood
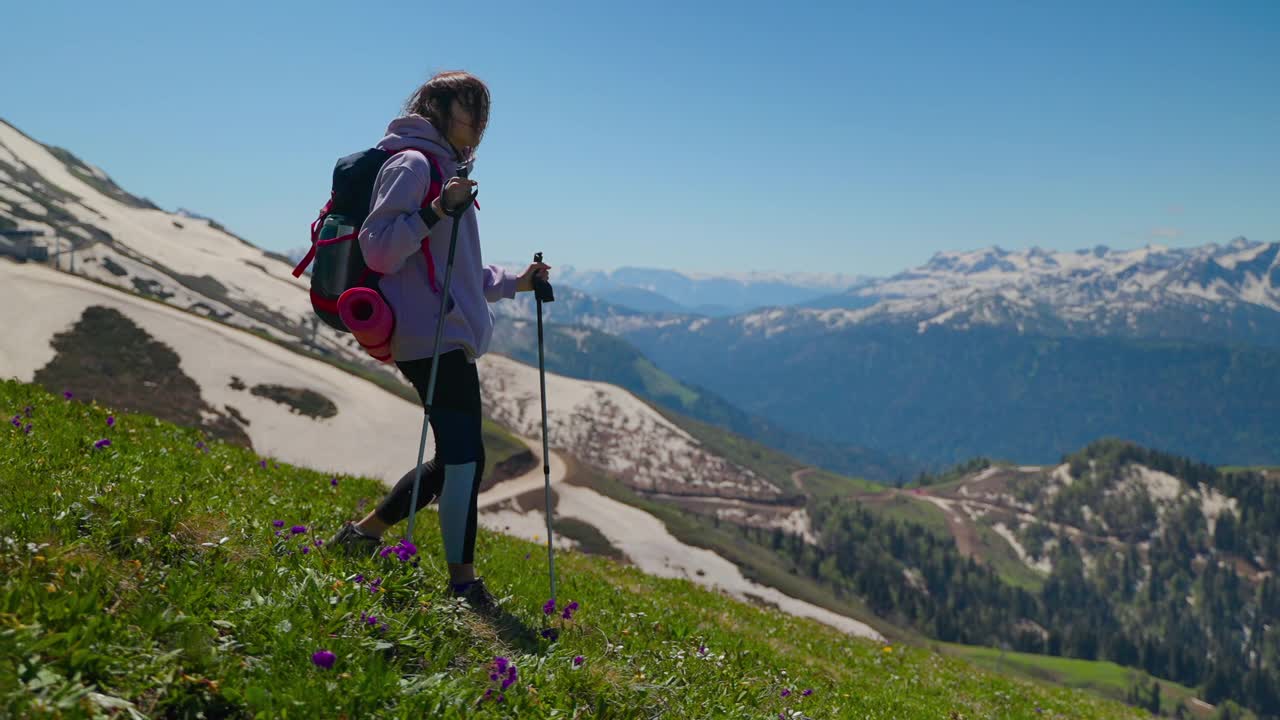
415,131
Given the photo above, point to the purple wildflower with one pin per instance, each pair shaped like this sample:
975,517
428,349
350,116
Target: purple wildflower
807,693
67,394
384,552
16,421
102,444
111,421
27,410
403,550
493,676
319,542
578,660
305,549
569,610
372,620
549,607
278,523
27,430
526,556
510,679
786,692
298,529
333,482
201,446
358,579
551,634
702,649
501,664
262,464
324,659
278,533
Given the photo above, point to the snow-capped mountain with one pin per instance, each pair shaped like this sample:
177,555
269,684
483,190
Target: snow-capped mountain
1218,293
182,258
714,294
1229,291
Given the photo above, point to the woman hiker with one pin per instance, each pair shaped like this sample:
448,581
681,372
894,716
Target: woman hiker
446,118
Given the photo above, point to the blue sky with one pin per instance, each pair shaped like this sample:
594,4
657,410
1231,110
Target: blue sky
698,136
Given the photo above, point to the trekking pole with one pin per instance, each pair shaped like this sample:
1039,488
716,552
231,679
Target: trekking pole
435,358
542,293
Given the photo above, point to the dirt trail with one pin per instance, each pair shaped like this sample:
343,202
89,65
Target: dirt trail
796,478
961,530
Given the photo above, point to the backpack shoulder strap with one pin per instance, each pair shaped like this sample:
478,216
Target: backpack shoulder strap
437,176
434,188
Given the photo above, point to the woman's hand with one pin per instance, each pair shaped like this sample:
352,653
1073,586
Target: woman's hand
457,193
538,270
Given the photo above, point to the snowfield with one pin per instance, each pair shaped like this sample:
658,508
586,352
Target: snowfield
375,433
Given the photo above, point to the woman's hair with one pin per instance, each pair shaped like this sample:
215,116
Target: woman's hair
434,99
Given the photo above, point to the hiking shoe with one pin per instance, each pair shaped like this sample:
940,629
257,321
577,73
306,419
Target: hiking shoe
476,595
351,542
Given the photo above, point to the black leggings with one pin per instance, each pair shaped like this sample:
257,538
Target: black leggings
459,454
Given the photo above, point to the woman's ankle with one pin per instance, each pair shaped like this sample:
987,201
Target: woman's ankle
372,526
462,574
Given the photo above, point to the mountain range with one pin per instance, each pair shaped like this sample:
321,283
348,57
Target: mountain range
1023,355
1227,293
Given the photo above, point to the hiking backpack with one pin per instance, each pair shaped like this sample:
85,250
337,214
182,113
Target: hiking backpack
335,248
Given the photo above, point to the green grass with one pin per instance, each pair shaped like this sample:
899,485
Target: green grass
1098,676
498,445
660,384
920,512
826,484
997,552
147,575
1265,469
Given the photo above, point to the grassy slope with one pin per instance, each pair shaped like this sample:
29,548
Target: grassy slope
1101,677
118,587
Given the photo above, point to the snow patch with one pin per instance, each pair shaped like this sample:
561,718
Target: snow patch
652,548
1230,261
1161,487
1213,503
612,429
531,525
13,196
1043,565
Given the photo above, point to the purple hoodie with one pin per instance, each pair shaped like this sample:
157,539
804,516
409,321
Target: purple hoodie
391,240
